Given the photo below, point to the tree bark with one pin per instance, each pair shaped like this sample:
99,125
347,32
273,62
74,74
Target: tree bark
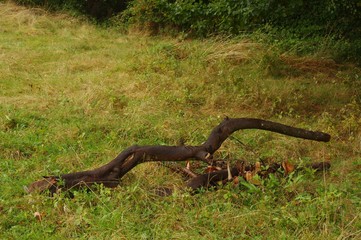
111,173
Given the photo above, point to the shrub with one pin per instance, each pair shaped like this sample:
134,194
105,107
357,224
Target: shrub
233,17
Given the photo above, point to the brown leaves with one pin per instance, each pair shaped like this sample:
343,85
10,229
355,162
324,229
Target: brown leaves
251,176
38,216
210,169
287,167
235,181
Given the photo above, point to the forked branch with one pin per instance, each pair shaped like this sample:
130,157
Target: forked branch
111,173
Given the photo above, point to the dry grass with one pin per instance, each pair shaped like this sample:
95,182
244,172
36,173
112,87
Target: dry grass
308,65
236,52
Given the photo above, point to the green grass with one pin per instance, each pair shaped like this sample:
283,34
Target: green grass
73,95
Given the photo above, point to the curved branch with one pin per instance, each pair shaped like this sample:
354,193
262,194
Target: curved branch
110,173
229,125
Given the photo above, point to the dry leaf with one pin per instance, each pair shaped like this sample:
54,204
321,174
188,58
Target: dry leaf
253,178
210,169
38,216
235,181
257,167
248,176
288,167
188,166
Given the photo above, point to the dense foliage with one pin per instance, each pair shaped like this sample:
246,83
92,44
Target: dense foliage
234,17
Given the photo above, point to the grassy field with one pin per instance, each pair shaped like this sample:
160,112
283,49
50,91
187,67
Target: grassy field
74,95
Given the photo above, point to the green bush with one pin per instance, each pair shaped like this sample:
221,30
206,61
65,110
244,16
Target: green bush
233,17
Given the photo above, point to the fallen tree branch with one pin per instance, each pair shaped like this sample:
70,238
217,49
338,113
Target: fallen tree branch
241,169
110,174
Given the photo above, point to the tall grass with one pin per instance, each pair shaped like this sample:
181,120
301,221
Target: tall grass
73,95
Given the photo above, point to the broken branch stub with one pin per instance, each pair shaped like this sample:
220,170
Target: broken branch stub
110,174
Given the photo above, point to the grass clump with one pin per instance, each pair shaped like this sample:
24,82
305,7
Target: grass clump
73,95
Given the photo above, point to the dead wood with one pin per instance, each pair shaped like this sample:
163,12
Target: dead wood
219,177
110,174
